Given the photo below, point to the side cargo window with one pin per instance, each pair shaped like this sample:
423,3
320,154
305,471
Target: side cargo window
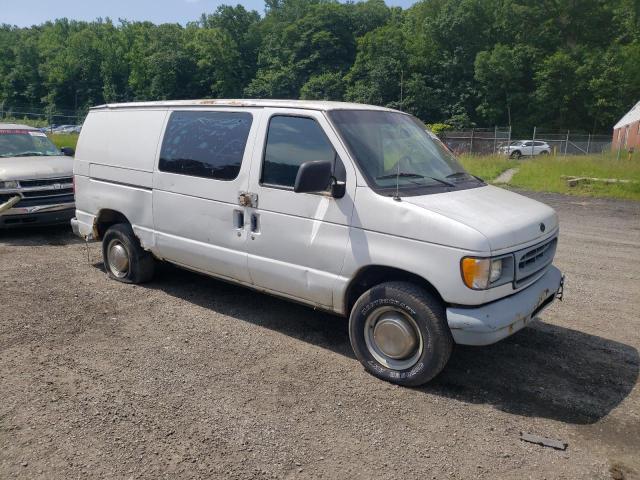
292,141
205,144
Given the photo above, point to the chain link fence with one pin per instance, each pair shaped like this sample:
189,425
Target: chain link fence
488,141
40,117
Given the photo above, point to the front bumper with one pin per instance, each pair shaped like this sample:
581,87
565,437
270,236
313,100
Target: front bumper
494,321
37,216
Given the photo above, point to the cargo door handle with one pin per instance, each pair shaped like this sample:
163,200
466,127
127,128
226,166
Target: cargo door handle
238,220
255,223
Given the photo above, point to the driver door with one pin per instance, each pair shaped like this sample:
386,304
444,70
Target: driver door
297,241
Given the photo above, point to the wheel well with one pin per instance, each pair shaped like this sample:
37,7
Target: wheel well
373,275
104,220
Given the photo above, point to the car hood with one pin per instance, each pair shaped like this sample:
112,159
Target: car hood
505,218
23,168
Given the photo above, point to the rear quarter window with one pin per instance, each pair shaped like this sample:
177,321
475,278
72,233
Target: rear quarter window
205,144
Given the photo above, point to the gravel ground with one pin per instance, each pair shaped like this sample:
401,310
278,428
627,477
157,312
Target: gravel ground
191,377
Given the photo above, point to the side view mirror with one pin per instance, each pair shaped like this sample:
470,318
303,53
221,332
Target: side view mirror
68,151
314,176
338,189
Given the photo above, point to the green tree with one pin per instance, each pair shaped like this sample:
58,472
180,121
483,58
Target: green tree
241,26
216,59
557,91
326,86
161,68
560,64
503,75
378,71
301,40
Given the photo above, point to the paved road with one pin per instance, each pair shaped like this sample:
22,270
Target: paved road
188,376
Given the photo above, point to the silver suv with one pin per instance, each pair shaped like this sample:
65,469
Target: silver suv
528,148
36,178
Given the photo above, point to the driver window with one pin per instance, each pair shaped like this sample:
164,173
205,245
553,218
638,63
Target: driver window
292,141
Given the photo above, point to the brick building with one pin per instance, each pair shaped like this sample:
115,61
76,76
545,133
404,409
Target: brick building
626,133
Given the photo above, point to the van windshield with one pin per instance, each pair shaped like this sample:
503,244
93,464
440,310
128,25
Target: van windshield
395,150
25,143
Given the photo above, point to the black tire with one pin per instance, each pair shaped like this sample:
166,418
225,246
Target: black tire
140,265
517,154
427,313
544,152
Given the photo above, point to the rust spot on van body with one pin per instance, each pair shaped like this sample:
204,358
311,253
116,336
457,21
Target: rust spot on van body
234,103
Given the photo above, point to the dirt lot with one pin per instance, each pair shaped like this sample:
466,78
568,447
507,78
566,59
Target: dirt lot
191,377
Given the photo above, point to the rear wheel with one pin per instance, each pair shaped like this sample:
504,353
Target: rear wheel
544,152
124,259
399,333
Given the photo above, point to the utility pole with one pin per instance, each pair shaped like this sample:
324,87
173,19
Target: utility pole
495,138
533,141
566,144
401,89
471,144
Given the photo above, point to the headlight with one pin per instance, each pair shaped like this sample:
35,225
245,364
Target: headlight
495,272
483,273
9,184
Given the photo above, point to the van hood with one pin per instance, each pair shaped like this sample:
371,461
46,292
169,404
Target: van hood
25,168
505,218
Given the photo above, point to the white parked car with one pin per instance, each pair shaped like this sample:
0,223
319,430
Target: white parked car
349,208
528,148
36,184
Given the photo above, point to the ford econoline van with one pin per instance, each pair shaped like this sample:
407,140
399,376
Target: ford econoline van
353,209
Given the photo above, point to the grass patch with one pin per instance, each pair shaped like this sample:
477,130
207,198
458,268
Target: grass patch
64,139
487,167
545,174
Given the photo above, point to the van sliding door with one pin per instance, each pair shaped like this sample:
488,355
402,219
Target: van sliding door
203,163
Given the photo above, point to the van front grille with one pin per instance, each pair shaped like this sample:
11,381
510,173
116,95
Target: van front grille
532,262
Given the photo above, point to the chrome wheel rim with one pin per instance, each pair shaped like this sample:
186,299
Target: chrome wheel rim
118,258
393,338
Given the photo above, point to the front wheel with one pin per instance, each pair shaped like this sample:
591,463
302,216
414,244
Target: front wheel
399,333
517,154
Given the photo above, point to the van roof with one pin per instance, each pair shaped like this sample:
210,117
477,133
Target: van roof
302,104
15,126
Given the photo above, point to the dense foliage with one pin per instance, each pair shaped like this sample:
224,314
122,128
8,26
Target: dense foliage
557,63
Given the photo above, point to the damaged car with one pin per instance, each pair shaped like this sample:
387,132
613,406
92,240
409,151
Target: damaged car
36,178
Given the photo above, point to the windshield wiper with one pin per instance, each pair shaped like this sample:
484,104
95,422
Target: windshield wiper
464,174
444,182
28,154
458,174
401,174
415,175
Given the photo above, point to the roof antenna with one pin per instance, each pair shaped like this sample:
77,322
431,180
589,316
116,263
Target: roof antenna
396,197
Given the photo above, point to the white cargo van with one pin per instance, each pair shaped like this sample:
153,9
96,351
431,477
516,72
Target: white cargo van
350,208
